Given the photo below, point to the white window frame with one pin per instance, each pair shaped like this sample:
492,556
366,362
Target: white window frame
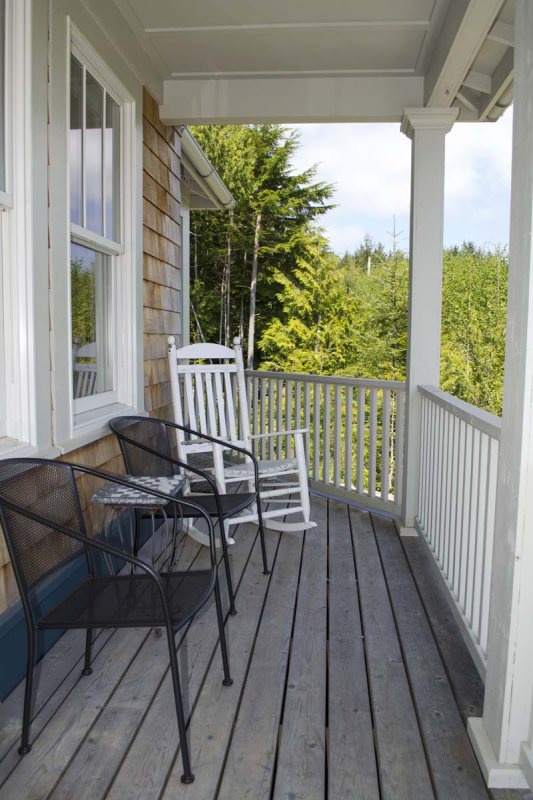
84,236
76,424
25,429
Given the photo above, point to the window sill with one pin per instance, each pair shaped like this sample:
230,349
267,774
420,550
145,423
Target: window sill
93,425
11,448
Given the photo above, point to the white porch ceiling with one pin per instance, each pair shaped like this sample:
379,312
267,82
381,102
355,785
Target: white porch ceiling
345,60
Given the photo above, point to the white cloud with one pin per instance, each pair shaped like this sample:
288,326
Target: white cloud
370,167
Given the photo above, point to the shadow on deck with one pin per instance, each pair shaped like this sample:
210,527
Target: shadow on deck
350,681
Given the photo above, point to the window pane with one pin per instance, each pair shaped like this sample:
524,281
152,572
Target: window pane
75,141
94,118
2,95
92,330
112,169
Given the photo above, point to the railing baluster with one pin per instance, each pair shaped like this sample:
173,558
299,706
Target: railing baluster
337,438
372,445
385,444
307,419
316,431
348,441
263,416
327,425
279,419
361,414
272,385
298,407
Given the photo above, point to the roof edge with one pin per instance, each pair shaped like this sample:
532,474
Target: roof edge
202,172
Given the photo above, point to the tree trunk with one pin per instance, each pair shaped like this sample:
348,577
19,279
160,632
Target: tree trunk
227,334
253,292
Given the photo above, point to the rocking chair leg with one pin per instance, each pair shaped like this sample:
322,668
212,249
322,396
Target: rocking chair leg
187,776
87,669
25,745
222,635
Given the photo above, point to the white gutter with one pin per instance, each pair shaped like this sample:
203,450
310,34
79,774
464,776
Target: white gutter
202,172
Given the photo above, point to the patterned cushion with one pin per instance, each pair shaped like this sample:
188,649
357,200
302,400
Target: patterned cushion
114,494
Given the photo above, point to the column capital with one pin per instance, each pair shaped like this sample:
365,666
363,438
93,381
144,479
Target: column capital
428,119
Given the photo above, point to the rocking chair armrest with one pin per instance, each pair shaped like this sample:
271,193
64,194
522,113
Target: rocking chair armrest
297,431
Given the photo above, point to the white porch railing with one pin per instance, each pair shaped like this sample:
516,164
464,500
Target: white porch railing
457,493
355,441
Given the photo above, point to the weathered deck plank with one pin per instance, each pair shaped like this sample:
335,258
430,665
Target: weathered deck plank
147,763
402,764
249,767
465,680
210,734
301,769
453,766
352,769
342,647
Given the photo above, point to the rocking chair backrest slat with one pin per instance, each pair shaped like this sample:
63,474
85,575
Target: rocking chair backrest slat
191,405
200,402
219,392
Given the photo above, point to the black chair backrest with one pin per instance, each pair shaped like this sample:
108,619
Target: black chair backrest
134,433
48,490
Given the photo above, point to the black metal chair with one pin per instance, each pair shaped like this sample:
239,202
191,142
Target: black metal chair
146,446
45,530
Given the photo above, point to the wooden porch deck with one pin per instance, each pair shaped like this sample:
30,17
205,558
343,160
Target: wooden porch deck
350,681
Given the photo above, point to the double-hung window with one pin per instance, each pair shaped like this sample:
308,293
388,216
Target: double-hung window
96,235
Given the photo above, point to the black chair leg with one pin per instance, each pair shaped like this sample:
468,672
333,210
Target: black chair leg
187,776
87,669
25,745
266,570
222,635
225,556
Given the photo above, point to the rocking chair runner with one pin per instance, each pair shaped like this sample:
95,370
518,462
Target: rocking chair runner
44,527
209,396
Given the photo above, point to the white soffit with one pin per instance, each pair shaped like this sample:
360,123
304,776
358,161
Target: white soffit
345,60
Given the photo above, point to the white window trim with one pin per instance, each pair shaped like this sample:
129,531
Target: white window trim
27,423
71,429
6,195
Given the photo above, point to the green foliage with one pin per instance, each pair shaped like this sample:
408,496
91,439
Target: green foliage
83,293
255,162
473,325
317,312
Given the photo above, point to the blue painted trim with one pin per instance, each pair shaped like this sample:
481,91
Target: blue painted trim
13,637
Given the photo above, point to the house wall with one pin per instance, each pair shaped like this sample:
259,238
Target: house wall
162,254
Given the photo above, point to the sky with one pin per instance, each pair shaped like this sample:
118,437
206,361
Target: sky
370,167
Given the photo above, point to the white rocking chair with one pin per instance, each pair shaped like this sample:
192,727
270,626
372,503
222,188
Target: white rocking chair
209,396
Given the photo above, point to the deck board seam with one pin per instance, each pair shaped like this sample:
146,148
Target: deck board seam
365,650
246,674
406,670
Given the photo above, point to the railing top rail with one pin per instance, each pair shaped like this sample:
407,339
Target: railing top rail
363,383
477,417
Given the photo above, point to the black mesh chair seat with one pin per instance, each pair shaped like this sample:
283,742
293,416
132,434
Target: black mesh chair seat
146,445
46,533
230,503
131,601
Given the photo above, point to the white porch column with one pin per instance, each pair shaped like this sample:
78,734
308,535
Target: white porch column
427,128
503,737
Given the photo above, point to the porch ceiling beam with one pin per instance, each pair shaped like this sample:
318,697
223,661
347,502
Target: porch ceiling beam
463,32
502,80
294,100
